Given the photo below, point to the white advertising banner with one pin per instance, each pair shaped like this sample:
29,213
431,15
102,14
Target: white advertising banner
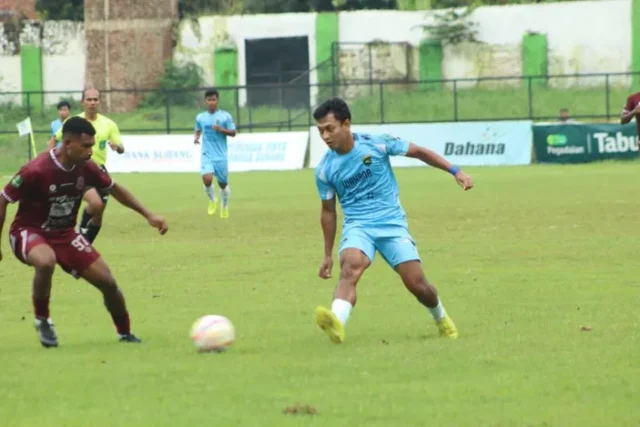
462,143
178,153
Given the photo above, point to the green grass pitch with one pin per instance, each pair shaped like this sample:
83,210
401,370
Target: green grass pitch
522,262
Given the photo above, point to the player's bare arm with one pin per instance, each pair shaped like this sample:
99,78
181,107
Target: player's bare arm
433,159
627,116
222,130
196,137
118,148
126,198
51,143
329,221
3,214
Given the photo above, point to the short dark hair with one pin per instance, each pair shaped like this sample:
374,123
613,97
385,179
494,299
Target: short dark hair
564,110
211,92
87,90
77,125
63,104
337,106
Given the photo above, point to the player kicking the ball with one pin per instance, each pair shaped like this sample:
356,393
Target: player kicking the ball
357,170
49,190
216,125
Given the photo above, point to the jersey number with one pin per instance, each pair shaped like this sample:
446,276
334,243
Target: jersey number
81,244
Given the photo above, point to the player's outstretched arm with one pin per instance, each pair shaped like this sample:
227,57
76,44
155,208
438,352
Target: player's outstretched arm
3,214
329,221
126,198
433,159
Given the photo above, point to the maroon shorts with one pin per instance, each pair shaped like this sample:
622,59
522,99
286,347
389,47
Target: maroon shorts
73,252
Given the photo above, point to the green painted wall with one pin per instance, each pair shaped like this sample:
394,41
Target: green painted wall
225,66
635,42
535,60
430,63
326,36
31,63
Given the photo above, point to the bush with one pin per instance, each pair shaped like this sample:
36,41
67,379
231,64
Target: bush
176,85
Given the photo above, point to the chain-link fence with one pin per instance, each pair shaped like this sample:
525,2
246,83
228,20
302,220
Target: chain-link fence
593,97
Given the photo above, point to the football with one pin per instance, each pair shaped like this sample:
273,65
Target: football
213,333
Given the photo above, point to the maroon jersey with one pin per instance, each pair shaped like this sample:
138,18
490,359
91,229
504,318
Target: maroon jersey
632,102
50,195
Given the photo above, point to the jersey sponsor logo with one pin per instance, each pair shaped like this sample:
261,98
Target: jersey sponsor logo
16,182
60,211
52,188
357,178
367,160
103,144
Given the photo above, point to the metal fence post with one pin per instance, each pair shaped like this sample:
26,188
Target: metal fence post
607,97
530,99
381,102
370,71
167,111
28,104
238,106
455,100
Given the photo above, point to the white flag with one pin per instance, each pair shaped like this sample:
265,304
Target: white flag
24,127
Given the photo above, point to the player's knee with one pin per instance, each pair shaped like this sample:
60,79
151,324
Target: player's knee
207,180
97,219
45,261
95,208
106,282
352,271
222,185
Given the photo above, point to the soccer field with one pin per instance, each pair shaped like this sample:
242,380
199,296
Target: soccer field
522,262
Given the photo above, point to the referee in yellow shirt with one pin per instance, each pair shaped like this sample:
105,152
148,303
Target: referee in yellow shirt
107,135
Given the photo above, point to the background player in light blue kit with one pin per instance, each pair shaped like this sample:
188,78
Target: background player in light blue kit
358,172
216,125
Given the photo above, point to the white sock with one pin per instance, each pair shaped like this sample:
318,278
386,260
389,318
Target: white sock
342,310
211,192
438,311
226,192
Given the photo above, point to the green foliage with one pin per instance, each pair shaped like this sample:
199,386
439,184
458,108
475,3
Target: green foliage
453,26
72,10
176,78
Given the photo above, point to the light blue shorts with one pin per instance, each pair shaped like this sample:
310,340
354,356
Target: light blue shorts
219,168
394,242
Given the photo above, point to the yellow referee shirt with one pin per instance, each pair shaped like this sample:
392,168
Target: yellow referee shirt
106,130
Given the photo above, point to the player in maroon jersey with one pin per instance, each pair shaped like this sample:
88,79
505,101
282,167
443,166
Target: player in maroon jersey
49,190
631,110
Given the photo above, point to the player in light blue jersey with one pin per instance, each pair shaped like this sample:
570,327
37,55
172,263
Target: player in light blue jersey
215,125
64,111
357,171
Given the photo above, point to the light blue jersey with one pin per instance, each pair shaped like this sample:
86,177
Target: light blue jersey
214,143
364,182
55,125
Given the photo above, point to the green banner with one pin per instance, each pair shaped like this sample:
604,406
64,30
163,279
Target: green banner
581,143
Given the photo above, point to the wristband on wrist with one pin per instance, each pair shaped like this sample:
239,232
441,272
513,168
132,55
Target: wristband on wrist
454,170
